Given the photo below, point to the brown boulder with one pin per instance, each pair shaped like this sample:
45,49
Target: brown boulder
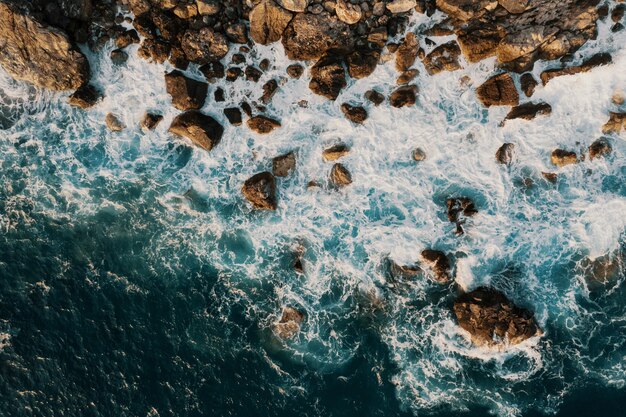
114,123
289,324
204,131
268,21
599,148
86,96
355,114
596,60
282,165
39,54
328,77
295,70
407,52
375,97
493,320
260,191
403,96
335,152
498,90
233,114
443,58
528,84
362,62
310,36
615,124
529,111
340,176
204,45
504,154
438,263
150,121
562,157
187,93
262,124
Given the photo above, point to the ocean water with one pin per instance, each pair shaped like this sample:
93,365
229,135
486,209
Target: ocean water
136,281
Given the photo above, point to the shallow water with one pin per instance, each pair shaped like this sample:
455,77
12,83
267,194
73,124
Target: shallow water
135,280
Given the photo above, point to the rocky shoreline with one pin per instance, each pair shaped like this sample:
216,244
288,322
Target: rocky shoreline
331,41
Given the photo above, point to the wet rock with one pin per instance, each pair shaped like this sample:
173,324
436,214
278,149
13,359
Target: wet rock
268,21
204,45
615,124
328,77
529,111
438,263
498,90
269,89
403,272
208,7
480,40
150,121
154,50
253,74
187,93
418,154
237,32
85,97
309,36
528,84
347,12
295,70
284,164
213,71
39,54
443,58
262,124
460,208
493,320
596,60
407,52
233,114
340,176
233,73
375,97
562,157
260,191
294,5
335,152
362,62
114,123
463,10
289,324
550,177
123,39
204,131
218,95
599,148
118,57
355,114
403,96
407,76
603,269
504,154
401,6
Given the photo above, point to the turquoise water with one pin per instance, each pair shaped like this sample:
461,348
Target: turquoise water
136,281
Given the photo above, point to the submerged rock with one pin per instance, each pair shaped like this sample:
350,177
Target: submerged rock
438,263
150,121
187,93
561,157
498,90
328,77
39,54
493,320
599,148
340,176
289,324
262,124
504,154
355,114
282,165
603,269
114,123
529,111
460,207
260,191
85,97
204,131
550,177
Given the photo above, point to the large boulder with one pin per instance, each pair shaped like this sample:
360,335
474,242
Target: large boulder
443,58
493,320
498,90
204,45
187,94
39,54
562,157
260,191
202,130
403,96
268,21
407,52
310,36
328,77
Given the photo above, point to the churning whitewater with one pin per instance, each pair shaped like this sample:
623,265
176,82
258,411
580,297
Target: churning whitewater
145,243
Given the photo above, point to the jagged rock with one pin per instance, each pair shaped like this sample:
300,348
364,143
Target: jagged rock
85,97
39,54
375,97
493,320
480,40
615,124
401,6
269,89
596,60
562,157
418,154
204,131
550,177
443,58
599,148
204,45
233,114
347,12
463,10
504,154
237,32
150,121
407,76
268,22
284,164
213,71
253,74
335,152
154,50
260,191
328,77
262,124
403,96
187,93
289,324
233,73
460,208
355,114
186,11
295,70
114,123
498,90
528,84
407,52
340,176
438,263
362,62
604,269
123,39
119,57
529,111
208,7
310,36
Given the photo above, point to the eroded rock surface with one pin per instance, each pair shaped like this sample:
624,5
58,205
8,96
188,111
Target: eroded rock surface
260,191
204,131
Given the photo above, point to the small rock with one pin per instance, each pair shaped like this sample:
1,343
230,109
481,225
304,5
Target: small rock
233,114
438,263
562,157
347,12
599,148
85,97
204,131
208,7
407,52
362,62
213,71
262,124
407,76
260,191
498,90
401,6
237,32
340,176
119,57
253,74
443,58
187,93
550,177
294,5
123,39
282,165
355,114
419,154
528,84
114,123
150,121
529,111
233,73
269,89
295,70
335,152
615,124
204,45
289,324
375,97
218,95
459,208
403,96
504,154
328,77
